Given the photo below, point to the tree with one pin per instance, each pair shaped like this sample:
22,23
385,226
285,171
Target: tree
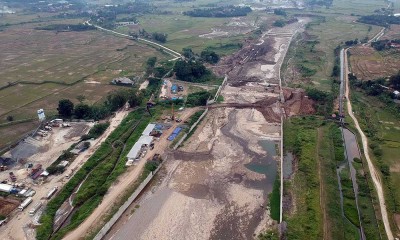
188,53
65,108
82,111
10,118
151,62
160,37
116,100
209,56
280,12
135,99
395,80
279,23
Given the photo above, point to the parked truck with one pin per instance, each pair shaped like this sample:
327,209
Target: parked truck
35,208
51,192
25,203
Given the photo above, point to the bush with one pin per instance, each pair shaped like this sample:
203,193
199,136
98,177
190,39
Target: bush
96,130
279,23
198,98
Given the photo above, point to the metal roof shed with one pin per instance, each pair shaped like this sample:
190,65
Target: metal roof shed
145,140
133,153
148,129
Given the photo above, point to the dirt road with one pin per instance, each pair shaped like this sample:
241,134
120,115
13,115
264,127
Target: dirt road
122,184
374,174
20,220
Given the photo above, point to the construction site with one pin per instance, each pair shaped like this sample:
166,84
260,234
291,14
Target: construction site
228,167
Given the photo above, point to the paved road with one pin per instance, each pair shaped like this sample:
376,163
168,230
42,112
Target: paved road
374,174
169,51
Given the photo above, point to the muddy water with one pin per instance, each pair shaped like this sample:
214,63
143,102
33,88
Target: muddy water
287,165
260,163
265,165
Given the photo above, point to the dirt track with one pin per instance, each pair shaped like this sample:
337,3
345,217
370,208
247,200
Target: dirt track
121,185
373,172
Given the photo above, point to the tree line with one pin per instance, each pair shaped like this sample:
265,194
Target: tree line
67,27
219,12
114,101
380,20
384,44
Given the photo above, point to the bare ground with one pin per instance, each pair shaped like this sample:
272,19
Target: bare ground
209,191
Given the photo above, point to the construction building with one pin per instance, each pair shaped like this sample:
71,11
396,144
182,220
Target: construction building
140,148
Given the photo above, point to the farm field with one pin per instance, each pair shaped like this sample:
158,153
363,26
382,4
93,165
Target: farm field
368,64
380,124
38,68
314,49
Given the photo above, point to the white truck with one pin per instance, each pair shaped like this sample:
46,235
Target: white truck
35,208
51,192
25,203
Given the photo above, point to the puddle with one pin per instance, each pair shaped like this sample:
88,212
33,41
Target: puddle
287,165
265,165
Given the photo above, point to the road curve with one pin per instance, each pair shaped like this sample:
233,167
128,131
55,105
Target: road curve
170,51
374,174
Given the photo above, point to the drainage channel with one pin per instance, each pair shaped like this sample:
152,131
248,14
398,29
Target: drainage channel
351,152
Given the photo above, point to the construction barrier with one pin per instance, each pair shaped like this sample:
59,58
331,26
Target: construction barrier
107,227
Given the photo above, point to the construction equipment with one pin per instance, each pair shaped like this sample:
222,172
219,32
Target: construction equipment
13,177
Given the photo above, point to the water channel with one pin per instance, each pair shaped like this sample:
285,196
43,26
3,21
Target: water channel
351,152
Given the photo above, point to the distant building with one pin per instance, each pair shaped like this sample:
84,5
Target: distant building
123,81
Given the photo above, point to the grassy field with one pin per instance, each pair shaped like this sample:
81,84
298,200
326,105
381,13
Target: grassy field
315,49
381,127
316,193
300,137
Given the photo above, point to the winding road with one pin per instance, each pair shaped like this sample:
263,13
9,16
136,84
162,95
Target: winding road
175,54
374,174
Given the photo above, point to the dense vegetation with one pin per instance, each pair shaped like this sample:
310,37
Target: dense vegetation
67,27
191,71
227,11
323,99
198,98
209,56
280,12
384,44
97,130
301,139
114,101
380,20
326,3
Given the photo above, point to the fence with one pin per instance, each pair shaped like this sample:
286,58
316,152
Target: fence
107,227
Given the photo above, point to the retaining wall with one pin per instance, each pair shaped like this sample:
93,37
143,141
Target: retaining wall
107,227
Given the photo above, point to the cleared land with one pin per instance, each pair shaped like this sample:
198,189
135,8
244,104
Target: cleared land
7,206
368,64
220,163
